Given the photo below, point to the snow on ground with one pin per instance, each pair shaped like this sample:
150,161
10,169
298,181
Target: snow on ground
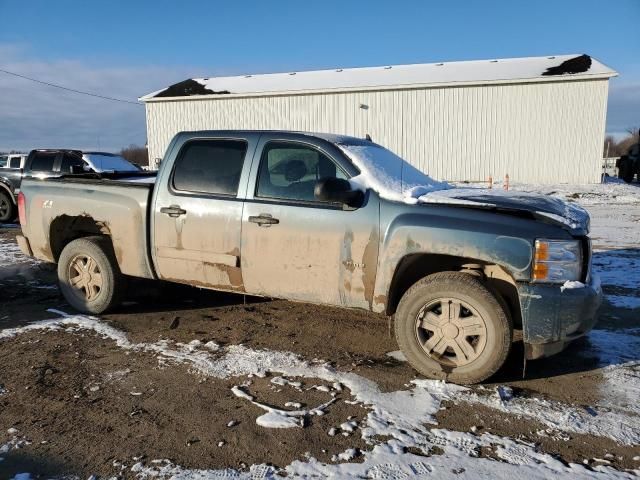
10,254
400,415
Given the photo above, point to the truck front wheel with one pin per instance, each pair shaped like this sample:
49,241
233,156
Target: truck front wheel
88,275
451,327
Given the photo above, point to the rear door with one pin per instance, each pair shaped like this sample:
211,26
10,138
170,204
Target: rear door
297,247
197,213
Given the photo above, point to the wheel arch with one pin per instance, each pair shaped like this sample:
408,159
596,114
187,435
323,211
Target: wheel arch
414,267
7,189
65,228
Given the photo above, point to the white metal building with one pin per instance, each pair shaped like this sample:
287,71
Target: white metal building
539,120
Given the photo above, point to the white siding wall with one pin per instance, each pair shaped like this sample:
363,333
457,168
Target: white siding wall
535,132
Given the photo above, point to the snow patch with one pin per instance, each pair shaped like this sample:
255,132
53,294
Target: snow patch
278,418
398,355
571,285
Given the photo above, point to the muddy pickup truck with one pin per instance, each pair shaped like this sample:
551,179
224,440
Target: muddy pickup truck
331,220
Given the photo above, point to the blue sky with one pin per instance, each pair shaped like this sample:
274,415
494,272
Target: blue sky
126,49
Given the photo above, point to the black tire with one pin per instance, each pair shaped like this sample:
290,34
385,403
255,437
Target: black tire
87,262
7,208
442,292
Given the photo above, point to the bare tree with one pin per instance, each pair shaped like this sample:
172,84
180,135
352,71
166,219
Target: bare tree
136,154
621,147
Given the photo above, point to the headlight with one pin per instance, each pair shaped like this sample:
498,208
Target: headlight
556,261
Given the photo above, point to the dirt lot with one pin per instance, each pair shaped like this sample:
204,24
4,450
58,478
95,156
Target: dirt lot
79,402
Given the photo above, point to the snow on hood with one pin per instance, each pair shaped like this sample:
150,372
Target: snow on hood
552,208
393,178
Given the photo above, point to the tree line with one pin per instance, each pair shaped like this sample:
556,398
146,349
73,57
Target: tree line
136,154
613,148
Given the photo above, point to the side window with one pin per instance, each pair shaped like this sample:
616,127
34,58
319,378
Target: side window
43,162
69,161
14,162
210,166
3,161
290,171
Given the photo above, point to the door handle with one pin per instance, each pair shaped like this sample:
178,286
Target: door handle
173,211
264,219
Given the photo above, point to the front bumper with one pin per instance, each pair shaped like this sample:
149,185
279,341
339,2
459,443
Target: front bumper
552,317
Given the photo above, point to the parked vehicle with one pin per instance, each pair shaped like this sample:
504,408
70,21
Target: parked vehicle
331,220
11,166
52,163
12,160
629,165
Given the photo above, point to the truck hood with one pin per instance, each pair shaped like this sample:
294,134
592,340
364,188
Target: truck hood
395,179
545,208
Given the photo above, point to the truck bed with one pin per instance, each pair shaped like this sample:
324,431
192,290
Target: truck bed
105,204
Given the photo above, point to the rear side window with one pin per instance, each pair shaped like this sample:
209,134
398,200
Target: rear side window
3,161
43,162
210,166
14,162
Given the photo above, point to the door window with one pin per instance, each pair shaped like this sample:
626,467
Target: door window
43,162
290,171
14,162
210,166
69,161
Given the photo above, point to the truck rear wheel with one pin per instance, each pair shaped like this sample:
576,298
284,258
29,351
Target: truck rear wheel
88,275
451,327
7,208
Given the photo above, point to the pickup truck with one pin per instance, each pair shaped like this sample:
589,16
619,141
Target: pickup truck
331,220
10,169
51,163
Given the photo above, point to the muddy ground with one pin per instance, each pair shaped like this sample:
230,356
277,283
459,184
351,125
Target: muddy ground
87,406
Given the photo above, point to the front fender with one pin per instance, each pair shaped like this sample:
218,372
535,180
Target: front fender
477,235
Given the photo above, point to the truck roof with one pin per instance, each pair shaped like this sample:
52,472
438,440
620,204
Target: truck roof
330,137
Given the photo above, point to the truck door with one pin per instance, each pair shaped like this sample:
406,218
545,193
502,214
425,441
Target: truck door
197,212
297,247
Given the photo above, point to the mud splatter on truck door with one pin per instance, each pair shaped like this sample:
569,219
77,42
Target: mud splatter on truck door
313,254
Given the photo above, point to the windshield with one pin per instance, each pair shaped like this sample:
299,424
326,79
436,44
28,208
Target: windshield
388,174
105,162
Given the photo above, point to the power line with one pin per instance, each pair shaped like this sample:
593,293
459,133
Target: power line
69,89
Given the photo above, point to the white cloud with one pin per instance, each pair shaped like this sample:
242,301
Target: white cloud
34,115
624,107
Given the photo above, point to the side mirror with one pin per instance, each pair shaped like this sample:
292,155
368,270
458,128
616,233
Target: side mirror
338,190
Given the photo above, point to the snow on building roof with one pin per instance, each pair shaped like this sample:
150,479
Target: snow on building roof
529,69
